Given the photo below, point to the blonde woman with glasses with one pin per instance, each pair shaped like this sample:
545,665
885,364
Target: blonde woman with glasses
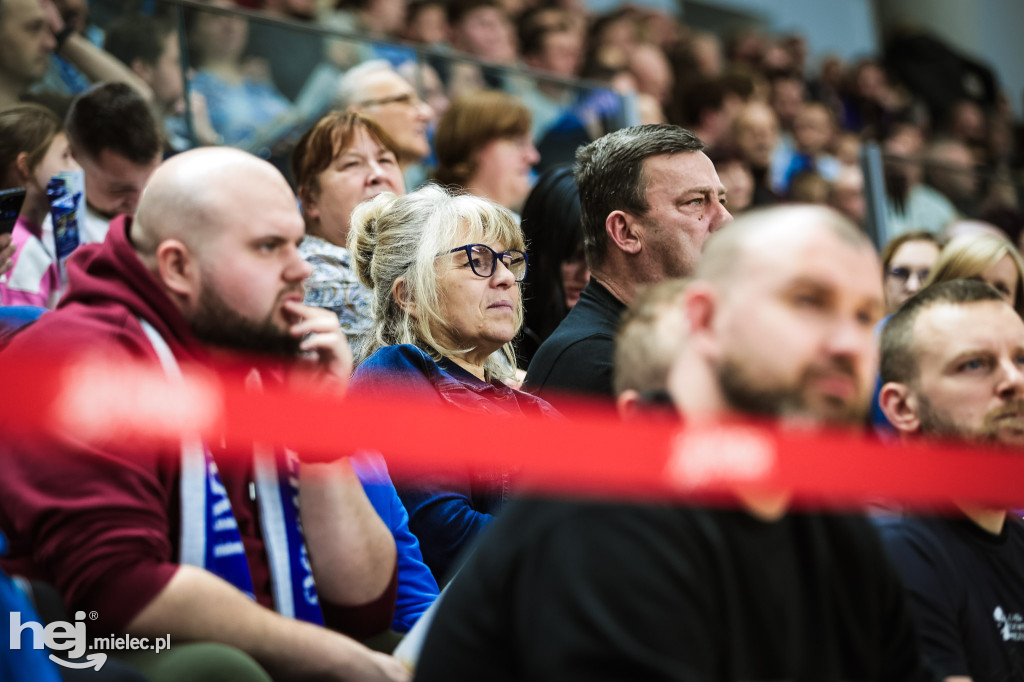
445,272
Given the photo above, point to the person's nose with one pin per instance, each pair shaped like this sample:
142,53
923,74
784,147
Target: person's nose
424,111
502,276
720,216
531,154
1011,380
297,268
376,174
915,282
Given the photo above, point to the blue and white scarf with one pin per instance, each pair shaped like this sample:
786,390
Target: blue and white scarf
209,532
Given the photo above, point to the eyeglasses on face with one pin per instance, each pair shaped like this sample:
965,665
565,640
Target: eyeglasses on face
902,274
406,99
483,260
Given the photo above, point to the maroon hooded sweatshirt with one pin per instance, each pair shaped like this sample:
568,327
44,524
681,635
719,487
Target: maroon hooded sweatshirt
103,525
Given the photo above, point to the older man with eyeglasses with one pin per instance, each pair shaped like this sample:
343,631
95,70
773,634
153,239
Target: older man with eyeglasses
375,89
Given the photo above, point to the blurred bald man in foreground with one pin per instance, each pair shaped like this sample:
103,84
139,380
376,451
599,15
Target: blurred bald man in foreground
186,542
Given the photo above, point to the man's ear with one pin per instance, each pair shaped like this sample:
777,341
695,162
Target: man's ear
622,230
400,292
178,268
627,404
700,304
901,407
142,70
309,207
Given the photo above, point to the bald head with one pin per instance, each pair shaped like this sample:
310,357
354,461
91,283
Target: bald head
193,196
781,318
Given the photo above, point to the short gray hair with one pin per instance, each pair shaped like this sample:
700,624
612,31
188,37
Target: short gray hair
609,173
348,93
399,237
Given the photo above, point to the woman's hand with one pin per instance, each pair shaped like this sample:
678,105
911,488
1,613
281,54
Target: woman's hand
323,342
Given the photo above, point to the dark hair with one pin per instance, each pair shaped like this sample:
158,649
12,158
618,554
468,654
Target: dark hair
458,9
137,36
898,361
535,24
609,173
694,99
113,116
415,8
553,229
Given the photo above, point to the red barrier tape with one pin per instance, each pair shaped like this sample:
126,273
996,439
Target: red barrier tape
592,453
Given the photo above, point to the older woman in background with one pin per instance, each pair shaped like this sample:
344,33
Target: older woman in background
344,159
445,273
484,147
985,257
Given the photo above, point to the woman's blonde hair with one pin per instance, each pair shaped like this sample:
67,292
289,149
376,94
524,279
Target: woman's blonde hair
969,256
396,238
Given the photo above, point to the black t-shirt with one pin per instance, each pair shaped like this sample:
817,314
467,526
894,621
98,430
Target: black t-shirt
967,593
589,591
578,356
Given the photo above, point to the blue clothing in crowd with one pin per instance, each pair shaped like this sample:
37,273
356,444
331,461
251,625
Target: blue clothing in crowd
417,588
25,664
446,512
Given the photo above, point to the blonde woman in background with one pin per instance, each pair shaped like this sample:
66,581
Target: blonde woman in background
985,257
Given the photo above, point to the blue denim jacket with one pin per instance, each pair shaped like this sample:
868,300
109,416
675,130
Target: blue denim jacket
446,511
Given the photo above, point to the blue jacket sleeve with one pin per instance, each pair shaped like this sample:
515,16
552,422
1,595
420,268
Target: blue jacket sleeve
417,588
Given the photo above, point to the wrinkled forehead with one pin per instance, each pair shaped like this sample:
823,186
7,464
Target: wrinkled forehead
945,331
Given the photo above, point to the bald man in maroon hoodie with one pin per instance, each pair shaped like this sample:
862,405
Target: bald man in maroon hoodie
209,264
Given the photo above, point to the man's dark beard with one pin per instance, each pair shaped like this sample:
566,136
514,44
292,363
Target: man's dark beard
215,323
777,401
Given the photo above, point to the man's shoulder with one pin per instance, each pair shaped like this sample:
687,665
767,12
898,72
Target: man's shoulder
577,357
925,533
921,545
110,330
